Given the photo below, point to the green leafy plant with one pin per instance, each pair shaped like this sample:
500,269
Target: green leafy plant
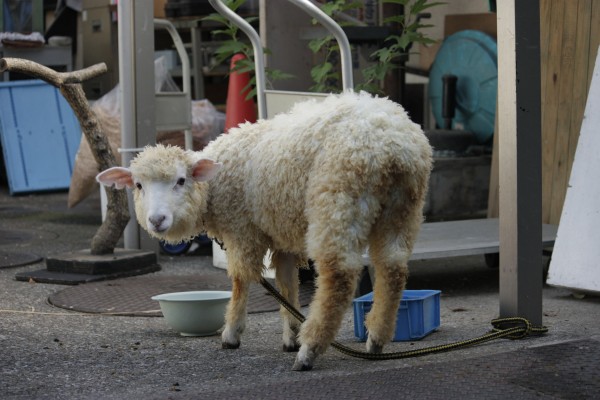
235,43
326,75
386,58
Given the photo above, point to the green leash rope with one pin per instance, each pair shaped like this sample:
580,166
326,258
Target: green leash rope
511,328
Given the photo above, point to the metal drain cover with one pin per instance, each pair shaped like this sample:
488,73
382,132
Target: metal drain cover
10,259
132,296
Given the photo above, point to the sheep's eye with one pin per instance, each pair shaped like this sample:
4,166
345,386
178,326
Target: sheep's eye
181,181
138,185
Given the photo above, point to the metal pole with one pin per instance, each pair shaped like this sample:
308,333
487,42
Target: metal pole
259,56
339,35
185,73
136,83
519,112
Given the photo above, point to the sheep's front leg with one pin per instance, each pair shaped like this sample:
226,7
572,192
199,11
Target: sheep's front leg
335,288
286,274
244,265
235,318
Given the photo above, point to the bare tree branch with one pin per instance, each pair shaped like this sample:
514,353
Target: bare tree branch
69,84
44,73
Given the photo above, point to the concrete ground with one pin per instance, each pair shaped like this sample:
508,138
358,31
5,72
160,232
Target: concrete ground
52,353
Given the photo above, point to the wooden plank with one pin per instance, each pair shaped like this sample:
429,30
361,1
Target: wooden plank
594,38
545,18
563,122
580,86
564,57
493,198
552,42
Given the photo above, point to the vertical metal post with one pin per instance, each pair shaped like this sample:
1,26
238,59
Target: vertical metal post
136,83
339,35
519,112
198,75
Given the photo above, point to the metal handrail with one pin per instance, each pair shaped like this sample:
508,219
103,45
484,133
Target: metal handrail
339,35
180,47
185,73
259,57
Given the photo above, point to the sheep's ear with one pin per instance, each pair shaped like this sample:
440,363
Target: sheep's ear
205,169
118,176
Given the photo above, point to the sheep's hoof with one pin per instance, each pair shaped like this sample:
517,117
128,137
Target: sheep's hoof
300,366
230,346
374,348
291,348
304,359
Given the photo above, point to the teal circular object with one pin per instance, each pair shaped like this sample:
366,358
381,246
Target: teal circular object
471,56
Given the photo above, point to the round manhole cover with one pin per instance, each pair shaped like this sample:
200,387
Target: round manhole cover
132,296
9,259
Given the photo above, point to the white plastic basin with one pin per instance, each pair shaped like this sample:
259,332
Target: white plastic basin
195,313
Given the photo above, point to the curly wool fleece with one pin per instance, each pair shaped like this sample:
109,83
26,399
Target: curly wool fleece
279,174
276,172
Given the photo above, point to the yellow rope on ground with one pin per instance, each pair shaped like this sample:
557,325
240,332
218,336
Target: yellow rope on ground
511,328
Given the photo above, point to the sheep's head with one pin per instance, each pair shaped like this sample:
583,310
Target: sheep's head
169,190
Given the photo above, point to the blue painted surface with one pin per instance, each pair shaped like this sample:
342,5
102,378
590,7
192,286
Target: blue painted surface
472,57
40,136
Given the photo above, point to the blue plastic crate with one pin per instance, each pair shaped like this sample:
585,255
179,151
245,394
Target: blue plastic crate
40,136
418,314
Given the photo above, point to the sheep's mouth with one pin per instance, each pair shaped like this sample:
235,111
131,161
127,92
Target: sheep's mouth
154,229
160,229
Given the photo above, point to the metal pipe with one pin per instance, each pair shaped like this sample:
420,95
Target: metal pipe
449,99
179,46
185,71
259,56
338,34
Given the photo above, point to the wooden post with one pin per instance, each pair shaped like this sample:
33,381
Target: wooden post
519,115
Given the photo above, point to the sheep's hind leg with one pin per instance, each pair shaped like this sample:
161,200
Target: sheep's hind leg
335,288
390,246
286,274
390,279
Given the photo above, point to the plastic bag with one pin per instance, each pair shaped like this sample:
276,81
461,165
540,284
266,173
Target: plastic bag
110,103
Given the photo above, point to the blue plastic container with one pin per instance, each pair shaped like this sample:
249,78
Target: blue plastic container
418,315
40,136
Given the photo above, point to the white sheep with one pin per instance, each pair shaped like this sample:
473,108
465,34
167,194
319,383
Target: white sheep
323,181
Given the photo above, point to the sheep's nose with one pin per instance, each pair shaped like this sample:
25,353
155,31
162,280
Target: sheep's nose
156,220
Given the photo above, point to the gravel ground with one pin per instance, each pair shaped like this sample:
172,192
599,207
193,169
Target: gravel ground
52,353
